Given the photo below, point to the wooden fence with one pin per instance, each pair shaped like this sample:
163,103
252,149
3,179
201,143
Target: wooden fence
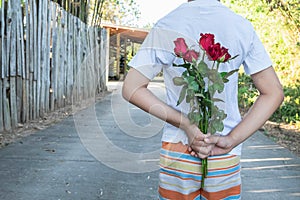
49,59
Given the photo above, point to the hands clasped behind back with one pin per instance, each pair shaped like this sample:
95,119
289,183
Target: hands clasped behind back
204,145
197,145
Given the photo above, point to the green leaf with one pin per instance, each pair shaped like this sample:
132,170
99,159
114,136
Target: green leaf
190,95
185,74
233,57
190,79
191,72
203,68
178,81
212,130
192,83
216,126
182,94
223,74
217,100
230,73
216,87
185,65
199,95
225,80
207,102
194,86
215,76
195,117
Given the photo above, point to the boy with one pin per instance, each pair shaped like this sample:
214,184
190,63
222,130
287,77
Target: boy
183,144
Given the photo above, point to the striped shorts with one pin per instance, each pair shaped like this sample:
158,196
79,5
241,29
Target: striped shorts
180,175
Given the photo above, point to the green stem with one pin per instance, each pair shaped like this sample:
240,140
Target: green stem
204,171
213,65
218,64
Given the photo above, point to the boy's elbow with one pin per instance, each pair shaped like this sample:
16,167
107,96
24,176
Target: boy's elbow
125,93
279,94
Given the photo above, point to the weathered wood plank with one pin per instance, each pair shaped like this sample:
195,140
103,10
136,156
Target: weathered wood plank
26,94
88,59
6,118
21,92
72,57
48,51
78,59
13,102
97,60
9,37
55,57
60,64
1,107
13,67
35,65
29,58
3,63
64,61
18,99
39,68
43,55
103,59
69,66
83,63
3,41
20,42
31,98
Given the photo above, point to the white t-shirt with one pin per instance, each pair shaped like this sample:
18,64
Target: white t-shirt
188,21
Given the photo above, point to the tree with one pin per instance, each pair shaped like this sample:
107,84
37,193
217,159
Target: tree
290,9
125,12
78,8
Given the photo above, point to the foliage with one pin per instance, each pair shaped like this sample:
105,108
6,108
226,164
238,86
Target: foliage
247,92
125,12
289,111
92,12
277,24
78,8
290,9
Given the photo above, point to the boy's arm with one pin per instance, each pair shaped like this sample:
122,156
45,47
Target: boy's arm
136,92
270,97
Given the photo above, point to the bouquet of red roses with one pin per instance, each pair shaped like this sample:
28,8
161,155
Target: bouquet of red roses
200,82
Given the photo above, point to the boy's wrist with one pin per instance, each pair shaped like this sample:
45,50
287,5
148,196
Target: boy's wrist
232,140
185,123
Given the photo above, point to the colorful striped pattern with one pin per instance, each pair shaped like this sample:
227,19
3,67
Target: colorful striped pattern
180,175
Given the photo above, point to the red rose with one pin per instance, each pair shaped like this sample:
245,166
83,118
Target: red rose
191,55
180,47
214,52
206,40
224,55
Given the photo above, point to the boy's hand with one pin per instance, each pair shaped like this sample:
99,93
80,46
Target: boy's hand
199,148
211,145
222,144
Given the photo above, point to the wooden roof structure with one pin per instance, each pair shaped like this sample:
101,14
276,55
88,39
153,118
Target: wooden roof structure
119,38
136,35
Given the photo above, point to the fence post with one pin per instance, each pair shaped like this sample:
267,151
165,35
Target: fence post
3,63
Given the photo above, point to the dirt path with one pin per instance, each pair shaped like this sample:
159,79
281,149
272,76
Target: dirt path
287,136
